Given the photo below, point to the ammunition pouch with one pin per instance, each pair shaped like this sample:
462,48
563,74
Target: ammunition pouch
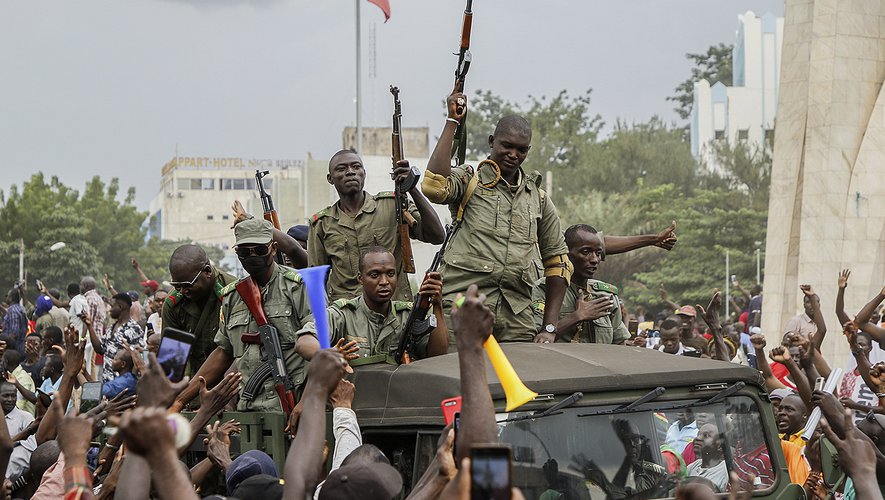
559,266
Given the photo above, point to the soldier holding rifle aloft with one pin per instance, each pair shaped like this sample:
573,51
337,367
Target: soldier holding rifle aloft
358,220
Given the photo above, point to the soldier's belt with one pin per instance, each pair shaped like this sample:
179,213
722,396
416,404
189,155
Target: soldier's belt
371,360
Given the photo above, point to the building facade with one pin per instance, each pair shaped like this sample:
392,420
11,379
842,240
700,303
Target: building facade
746,110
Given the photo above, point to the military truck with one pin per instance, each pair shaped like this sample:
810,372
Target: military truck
610,441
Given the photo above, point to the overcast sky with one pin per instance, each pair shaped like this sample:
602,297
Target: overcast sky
111,87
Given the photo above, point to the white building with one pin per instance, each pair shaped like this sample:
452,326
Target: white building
746,110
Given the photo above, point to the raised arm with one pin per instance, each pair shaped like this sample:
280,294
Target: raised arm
863,317
440,162
138,271
711,317
473,323
771,382
665,297
431,229
780,355
818,316
665,239
840,297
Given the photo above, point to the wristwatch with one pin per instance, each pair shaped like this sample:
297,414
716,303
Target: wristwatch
550,328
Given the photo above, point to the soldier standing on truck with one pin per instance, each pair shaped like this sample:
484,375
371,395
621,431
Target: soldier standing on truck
285,303
193,306
358,220
372,323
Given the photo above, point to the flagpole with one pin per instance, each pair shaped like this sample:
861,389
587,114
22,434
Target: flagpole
359,122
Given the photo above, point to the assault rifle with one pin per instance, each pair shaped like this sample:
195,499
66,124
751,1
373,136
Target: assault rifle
459,146
270,213
274,365
404,219
418,324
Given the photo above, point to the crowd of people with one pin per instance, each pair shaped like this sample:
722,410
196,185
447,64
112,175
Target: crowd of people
509,270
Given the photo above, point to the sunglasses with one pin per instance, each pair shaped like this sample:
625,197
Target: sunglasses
180,285
248,251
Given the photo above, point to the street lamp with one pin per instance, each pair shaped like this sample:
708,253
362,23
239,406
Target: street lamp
58,245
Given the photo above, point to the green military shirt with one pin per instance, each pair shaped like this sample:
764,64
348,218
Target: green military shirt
606,330
202,322
506,234
335,238
375,334
286,307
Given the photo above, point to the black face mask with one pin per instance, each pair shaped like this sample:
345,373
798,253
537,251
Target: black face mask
256,265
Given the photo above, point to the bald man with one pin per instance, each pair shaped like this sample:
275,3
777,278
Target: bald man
510,233
195,304
339,233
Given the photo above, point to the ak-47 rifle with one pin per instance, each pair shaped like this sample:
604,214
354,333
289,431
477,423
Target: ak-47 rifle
404,219
459,146
274,364
270,213
418,324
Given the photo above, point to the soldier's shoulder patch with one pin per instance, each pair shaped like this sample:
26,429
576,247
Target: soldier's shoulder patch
601,286
385,194
345,303
538,306
319,215
401,305
292,275
536,178
173,299
227,289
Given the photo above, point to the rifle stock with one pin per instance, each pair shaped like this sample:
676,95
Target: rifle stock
403,218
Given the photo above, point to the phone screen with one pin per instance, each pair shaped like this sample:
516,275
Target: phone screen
175,347
490,473
633,326
90,397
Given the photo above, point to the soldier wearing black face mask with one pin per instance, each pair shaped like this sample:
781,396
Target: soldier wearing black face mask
285,303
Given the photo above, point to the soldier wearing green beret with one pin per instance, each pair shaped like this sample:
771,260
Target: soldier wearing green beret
285,303
193,306
369,327
358,220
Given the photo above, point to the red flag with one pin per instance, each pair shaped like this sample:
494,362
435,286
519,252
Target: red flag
384,5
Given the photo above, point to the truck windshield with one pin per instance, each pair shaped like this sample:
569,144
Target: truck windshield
639,454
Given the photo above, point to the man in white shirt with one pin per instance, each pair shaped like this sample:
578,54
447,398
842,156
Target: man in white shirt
19,424
711,464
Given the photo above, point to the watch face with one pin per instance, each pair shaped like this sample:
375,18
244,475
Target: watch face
550,328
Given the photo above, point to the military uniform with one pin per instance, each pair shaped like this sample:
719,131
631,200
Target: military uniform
202,322
376,335
507,233
286,307
336,238
605,330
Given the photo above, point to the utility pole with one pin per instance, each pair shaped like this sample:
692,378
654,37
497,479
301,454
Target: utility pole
359,84
21,259
727,287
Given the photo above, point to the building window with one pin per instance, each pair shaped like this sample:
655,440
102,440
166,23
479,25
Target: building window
207,184
225,217
210,217
719,135
237,184
769,136
743,134
196,184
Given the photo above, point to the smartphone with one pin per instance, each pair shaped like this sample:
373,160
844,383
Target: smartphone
45,399
91,396
734,279
450,407
175,348
490,467
39,285
633,326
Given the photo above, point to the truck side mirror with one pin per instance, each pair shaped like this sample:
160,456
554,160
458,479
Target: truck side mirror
829,460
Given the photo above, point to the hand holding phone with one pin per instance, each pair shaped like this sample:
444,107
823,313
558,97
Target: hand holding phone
175,348
450,407
490,469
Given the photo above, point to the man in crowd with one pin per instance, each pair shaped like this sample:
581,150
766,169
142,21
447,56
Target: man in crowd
671,339
193,306
155,320
41,313
373,321
791,416
17,376
809,322
683,431
124,332
33,362
711,458
15,323
339,233
285,302
124,380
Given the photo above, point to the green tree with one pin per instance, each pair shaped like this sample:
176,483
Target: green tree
715,65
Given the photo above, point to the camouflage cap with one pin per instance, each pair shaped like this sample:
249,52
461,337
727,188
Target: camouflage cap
253,231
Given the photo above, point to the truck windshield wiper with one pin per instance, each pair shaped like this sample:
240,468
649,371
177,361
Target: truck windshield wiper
650,396
565,403
719,396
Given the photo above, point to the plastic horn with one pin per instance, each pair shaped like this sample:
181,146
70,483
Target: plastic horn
814,418
517,393
315,280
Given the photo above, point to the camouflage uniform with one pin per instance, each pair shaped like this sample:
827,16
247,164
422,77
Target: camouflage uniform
376,335
202,322
605,330
286,307
506,235
336,238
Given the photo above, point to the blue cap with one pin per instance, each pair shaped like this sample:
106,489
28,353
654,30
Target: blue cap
249,464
